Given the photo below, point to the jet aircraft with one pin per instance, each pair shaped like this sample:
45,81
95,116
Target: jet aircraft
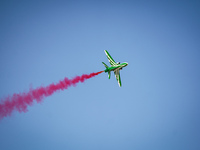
116,67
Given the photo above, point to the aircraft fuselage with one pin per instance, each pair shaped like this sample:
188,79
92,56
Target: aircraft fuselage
116,67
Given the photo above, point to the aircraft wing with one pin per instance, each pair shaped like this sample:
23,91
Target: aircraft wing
117,75
110,59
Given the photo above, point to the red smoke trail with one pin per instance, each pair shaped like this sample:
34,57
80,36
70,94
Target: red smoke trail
21,101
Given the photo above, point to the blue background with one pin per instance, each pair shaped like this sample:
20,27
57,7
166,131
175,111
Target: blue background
157,107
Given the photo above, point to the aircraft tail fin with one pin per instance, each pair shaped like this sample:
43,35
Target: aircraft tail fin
107,70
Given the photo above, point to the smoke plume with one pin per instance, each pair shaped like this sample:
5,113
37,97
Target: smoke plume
21,101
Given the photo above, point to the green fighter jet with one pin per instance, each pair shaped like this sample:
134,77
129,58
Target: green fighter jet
116,67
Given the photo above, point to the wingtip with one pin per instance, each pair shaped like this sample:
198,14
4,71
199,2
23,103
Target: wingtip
119,84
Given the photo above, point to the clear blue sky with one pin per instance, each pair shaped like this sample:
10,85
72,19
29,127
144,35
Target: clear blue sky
157,107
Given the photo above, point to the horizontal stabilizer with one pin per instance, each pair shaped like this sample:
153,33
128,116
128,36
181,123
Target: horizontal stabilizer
109,75
105,65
